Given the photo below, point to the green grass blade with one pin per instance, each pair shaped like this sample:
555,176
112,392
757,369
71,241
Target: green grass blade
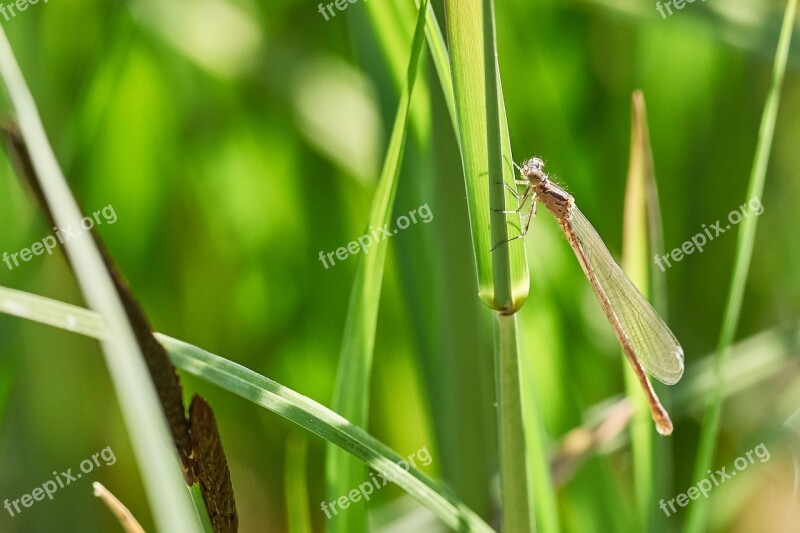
698,513
511,433
269,394
324,423
465,32
391,24
516,508
141,410
441,62
503,281
351,395
454,370
636,262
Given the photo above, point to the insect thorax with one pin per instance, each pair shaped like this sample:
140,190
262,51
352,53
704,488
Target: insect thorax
558,201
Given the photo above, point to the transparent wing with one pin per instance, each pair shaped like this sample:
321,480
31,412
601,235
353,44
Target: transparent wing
653,343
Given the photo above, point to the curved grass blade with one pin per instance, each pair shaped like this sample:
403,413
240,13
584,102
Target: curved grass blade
698,513
326,424
192,436
351,395
144,420
269,394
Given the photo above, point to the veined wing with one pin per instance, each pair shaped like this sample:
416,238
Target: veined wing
652,342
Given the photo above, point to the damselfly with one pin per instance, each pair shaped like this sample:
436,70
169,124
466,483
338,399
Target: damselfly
646,340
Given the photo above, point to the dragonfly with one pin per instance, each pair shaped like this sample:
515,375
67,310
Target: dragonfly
647,341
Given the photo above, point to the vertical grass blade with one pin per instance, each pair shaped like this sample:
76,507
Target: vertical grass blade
351,395
503,281
698,512
458,377
465,33
511,428
511,433
636,261
145,422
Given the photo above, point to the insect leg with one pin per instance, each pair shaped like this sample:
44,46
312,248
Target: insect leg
531,214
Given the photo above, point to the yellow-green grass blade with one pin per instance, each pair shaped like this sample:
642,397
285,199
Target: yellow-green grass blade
636,263
267,393
351,394
698,513
141,410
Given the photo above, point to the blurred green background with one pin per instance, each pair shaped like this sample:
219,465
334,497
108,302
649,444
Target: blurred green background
238,139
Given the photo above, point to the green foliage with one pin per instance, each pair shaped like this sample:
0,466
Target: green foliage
236,140
351,396
741,266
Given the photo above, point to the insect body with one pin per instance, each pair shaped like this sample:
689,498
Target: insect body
646,340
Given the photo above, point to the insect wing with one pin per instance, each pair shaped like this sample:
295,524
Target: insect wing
653,343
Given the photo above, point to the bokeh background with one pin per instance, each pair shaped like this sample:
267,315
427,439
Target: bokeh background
237,139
